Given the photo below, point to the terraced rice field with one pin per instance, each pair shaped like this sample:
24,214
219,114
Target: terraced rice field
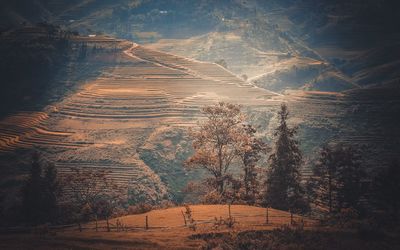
104,124
26,129
136,103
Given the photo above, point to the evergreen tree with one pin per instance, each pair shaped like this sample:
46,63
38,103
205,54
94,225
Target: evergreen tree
350,178
283,185
40,192
32,193
337,180
387,189
322,186
51,192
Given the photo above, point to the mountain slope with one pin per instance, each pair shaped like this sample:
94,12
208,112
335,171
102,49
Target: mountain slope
299,28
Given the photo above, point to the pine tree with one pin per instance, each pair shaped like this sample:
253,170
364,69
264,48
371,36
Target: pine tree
386,190
283,185
336,182
350,179
32,193
40,192
322,185
51,192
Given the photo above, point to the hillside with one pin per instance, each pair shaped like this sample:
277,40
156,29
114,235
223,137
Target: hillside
345,35
144,100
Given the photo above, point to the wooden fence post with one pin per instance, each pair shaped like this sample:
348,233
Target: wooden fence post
96,223
229,209
147,222
291,217
184,218
108,225
267,217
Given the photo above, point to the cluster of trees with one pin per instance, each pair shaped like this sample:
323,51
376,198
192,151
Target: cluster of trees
40,192
78,196
225,142
341,182
223,139
28,64
91,195
338,179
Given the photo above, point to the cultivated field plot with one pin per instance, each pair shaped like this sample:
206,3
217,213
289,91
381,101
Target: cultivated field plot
107,120
27,129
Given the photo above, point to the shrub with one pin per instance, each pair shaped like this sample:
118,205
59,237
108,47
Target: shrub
140,208
221,222
189,218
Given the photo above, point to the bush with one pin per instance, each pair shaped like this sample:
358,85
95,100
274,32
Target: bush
345,218
140,208
286,238
212,198
167,204
369,230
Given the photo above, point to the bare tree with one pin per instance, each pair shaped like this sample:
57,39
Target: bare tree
92,193
216,143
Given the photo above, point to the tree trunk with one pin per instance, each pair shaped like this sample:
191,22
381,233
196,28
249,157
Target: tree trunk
220,184
246,181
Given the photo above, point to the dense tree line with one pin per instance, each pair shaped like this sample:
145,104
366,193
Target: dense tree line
225,139
78,196
29,63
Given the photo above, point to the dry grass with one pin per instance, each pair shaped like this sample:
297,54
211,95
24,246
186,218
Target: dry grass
204,215
166,230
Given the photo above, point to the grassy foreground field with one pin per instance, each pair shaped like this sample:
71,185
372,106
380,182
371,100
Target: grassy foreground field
166,229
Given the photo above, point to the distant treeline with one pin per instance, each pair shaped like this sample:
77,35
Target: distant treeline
35,58
30,57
